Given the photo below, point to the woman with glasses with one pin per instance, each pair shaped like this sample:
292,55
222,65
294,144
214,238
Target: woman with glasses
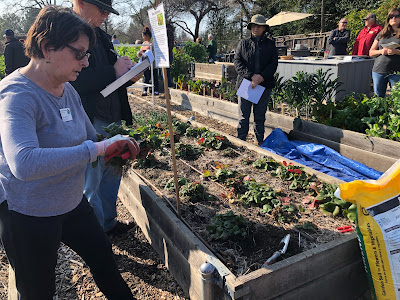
386,49
46,142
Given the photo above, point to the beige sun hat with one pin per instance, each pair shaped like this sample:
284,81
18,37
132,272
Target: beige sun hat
259,20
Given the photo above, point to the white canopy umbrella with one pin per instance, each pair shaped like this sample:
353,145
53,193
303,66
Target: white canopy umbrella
285,17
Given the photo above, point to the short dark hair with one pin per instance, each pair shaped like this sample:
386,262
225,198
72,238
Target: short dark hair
59,26
146,31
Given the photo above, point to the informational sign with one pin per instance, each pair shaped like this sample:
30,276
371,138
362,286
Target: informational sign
160,40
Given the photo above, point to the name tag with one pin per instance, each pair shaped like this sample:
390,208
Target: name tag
66,114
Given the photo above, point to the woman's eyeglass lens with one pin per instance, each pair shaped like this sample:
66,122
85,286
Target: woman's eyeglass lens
394,16
79,55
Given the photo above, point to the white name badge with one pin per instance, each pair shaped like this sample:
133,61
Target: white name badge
66,114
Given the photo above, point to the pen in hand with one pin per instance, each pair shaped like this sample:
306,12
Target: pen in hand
115,52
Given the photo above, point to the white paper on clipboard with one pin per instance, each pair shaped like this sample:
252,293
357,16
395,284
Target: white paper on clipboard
245,91
145,62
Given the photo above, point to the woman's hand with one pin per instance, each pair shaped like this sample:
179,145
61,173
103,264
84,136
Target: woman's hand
118,145
256,79
385,51
393,52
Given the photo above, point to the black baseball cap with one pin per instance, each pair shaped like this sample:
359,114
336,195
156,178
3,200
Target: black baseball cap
9,33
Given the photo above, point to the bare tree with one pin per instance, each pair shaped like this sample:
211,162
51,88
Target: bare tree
197,9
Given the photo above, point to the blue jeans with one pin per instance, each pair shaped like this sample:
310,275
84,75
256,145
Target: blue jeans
259,111
380,82
101,187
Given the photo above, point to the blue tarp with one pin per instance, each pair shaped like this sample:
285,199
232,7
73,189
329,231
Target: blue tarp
318,157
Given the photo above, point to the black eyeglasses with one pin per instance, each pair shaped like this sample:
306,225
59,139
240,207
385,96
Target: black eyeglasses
79,54
393,16
365,19
343,22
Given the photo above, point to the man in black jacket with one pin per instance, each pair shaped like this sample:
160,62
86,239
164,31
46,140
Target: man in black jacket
14,53
102,182
256,59
339,38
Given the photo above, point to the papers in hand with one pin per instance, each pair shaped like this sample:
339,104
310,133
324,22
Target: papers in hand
145,61
391,45
245,91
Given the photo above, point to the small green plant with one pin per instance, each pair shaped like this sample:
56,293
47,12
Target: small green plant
265,163
187,151
192,191
227,226
148,162
170,186
213,140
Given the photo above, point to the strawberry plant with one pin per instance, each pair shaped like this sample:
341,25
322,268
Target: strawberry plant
227,226
195,132
222,174
187,151
170,186
148,162
265,163
213,140
192,191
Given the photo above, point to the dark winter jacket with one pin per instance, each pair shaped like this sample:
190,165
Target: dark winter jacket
338,41
245,60
14,56
97,76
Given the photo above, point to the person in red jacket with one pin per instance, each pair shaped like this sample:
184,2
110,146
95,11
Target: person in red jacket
367,35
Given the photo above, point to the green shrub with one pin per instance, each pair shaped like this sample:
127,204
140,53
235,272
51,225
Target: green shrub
355,23
2,67
131,52
180,64
195,50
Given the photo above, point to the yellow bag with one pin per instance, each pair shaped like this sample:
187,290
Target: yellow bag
378,229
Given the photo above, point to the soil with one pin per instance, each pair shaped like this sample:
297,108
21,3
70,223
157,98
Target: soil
264,231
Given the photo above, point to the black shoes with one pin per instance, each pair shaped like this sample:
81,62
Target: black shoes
121,227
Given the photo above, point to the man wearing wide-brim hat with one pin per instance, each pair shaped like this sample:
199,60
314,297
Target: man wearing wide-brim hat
256,59
102,182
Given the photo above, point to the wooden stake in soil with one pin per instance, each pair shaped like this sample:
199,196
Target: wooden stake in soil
171,138
171,133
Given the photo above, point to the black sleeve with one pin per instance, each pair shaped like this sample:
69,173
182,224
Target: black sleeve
271,67
8,59
240,63
344,39
330,40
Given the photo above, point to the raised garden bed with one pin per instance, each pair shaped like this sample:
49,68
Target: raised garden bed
377,153
327,266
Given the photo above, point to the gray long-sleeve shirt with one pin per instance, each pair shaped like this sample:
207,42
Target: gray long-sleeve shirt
42,158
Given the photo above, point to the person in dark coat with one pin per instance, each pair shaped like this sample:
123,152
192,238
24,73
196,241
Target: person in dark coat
339,38
102,182
14,53
256,59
